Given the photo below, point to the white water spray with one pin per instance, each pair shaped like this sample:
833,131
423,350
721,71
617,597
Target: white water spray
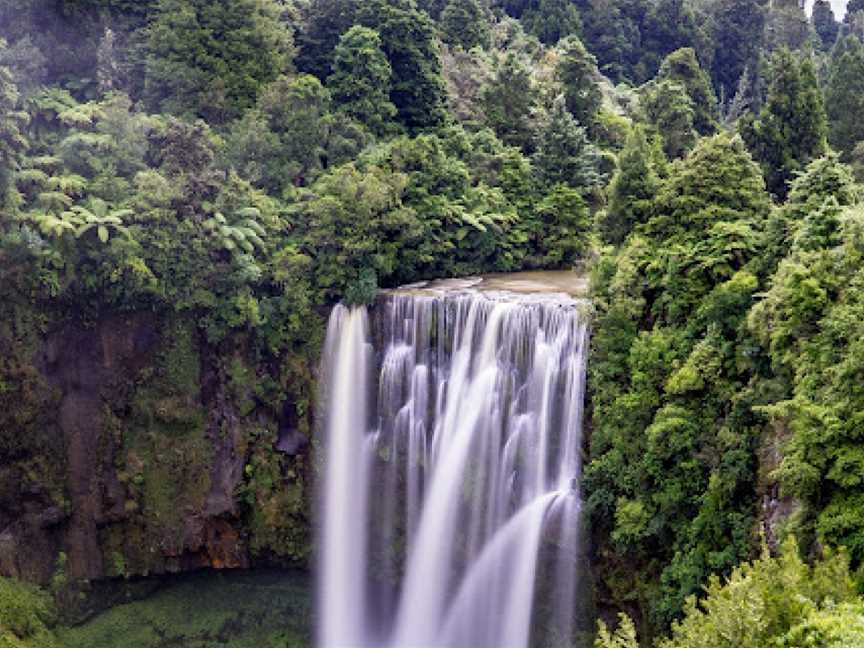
452,464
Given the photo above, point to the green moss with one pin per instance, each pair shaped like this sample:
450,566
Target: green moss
160,428
60,577
275,499
168,453
166,478
32,452
180,360
27,402
166,395
241,384
137,541
26,616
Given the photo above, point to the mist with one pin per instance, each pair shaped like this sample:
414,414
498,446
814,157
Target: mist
838,6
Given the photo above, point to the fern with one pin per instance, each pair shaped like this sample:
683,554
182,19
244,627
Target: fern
56,226
32,177
68,184
98,218
54,200
45,162
246,235
86,140
80,116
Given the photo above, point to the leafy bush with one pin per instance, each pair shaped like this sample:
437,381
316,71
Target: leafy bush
26,616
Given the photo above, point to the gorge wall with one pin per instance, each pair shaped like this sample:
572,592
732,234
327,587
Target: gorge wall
130,446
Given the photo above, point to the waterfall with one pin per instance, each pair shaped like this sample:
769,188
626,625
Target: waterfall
452,424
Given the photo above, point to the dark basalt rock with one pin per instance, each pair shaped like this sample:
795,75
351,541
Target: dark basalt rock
291,442
105,515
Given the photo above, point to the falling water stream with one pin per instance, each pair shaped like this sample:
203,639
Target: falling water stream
451,415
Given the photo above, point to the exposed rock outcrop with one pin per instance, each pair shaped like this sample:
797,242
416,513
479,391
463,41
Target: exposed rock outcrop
155,448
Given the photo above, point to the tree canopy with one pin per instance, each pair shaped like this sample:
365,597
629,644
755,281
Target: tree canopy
231,170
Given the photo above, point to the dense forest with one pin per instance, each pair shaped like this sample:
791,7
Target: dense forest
187,186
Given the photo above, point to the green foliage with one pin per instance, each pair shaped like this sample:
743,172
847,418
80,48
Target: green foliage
623,637
787,25
844,95
508,101
466,75
630,39
52,44
412,209
681,66
432,7
791,129
551,20
323,23
26,616
12,142
610,32
564,154
738,28
670,27
672,447
577,73
293,135
367,205
465,24
824,23
363,290
632,190
408,40
772,601
100,221
670,112
833,627
360,83
210,59
242,236
808,322
560,240
810,218
717,182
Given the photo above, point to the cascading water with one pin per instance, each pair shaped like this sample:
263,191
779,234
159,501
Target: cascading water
452,423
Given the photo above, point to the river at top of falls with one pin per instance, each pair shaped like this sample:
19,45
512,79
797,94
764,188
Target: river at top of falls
452,426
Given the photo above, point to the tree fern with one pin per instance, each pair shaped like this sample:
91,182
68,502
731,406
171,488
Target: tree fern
71,185
53,200
245,235
97,217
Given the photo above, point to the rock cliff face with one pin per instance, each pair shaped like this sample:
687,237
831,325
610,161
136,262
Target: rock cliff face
131,446
775,508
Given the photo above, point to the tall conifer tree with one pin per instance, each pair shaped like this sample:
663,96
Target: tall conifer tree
791,128
360,83
465,24
408,39
632,190
681,66
824,24
844,95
